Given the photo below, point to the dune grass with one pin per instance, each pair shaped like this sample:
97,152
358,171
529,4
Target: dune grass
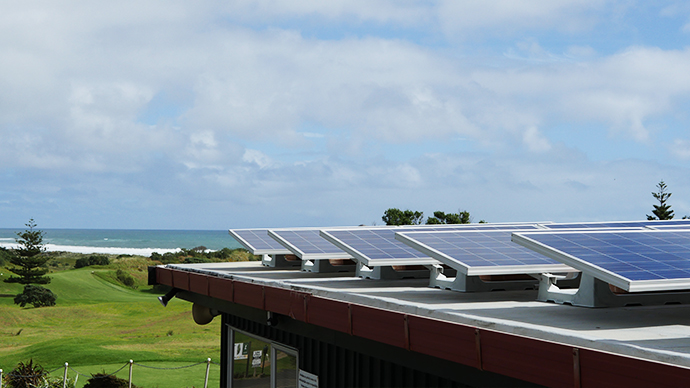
98,325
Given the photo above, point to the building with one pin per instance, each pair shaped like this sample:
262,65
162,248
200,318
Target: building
323,320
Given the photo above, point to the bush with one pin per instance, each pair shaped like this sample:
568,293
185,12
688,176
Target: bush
92,260
194,260
103,380
56,382
35,295
26,376
125,278
5,255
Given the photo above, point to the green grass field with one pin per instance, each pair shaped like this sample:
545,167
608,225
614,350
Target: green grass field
99,325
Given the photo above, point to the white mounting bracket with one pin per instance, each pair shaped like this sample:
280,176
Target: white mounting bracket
464,283
325,266
388,272
597,293
279,261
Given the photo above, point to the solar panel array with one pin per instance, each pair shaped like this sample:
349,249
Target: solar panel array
379,247
258,242
619,224
640,260
307,244
481,252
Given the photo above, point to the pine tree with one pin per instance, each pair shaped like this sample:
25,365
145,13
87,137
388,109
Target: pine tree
28,259
662,211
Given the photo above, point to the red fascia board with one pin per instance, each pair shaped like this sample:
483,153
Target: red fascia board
220,288
198,283
164,276
541,362
599,369
286,302
379,325
329,313
446,340
180,279
249,294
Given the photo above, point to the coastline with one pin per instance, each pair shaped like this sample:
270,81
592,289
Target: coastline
98,250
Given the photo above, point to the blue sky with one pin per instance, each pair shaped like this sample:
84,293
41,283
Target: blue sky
215,115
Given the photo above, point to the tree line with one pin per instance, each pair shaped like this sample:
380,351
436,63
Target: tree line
395,216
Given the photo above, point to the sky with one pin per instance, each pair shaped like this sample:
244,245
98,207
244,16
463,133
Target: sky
217,115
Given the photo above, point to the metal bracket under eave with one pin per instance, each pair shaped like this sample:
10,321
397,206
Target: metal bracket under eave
390,272
279,261
441,278
597,293
325,266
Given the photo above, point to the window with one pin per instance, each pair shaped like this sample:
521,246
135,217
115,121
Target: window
258,363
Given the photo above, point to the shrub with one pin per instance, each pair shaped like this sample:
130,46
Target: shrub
56,382
26,375
125,278
5,255
92,260
35,295
103,380
193,260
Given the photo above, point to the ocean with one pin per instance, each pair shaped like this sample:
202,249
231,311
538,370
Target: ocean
126,241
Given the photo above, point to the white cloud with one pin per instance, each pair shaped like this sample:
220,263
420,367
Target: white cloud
681,149
257,157
535,141
264,103
508,16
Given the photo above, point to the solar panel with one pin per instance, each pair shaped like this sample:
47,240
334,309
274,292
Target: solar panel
307,244
379,247
258,242
618,224
634,260
481,252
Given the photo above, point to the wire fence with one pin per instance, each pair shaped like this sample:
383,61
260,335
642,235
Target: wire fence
130,363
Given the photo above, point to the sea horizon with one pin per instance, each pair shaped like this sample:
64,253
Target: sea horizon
124,241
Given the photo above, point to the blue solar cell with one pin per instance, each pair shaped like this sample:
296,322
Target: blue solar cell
307,242
635,260
257,241
621,224
378,246
495,253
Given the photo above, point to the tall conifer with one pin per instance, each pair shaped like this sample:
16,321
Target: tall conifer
662,211
28,260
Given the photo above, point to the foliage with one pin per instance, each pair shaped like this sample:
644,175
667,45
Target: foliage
125,278
202,255
104,380
27,375
394,216
35,295
29,262
662,211
440,217
92,260
57,382
5,255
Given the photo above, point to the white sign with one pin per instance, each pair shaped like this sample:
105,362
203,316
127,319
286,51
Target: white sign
256,362
307,380
240,351
257,353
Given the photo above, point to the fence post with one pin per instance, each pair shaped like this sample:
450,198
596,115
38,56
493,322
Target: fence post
208,367
0,378
131,362
64,377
